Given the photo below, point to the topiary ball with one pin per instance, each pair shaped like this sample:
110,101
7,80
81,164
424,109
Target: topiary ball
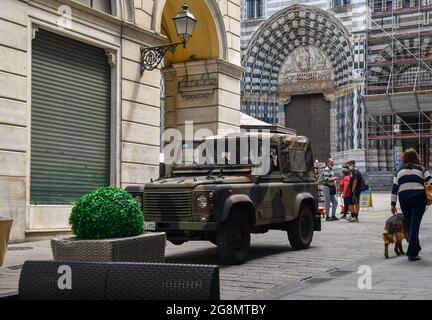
106,213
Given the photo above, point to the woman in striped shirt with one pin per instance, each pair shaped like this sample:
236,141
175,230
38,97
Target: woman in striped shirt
408,185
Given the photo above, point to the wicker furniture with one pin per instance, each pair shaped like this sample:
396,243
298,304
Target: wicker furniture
148,247
5,228
118,281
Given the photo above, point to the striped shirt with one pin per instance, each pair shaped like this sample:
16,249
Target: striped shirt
409,183
328,174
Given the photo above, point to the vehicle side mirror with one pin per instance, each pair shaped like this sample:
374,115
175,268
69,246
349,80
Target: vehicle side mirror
161,170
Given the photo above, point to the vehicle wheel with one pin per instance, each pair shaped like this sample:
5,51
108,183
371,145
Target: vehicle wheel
233,239
300,231
177,242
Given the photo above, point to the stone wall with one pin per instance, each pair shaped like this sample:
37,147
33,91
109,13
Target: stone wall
14,113
205,92
135,98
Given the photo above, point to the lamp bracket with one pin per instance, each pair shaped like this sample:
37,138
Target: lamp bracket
151,57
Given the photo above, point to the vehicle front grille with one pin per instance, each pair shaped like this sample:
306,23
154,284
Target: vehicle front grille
167,203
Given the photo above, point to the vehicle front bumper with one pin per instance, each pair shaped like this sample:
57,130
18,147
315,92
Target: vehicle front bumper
185,226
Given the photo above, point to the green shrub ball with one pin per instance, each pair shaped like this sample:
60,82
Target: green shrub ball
106,213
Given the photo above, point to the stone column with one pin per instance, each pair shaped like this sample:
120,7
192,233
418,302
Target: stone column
206,92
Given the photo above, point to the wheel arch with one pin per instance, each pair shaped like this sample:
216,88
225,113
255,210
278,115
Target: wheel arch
304,199
242,203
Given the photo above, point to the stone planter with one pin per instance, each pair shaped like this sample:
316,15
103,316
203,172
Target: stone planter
5,228
148,247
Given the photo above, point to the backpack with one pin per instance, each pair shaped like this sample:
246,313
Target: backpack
363,185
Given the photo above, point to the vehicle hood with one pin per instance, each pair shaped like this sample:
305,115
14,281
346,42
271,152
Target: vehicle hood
192,182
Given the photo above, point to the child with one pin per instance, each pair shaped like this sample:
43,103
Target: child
345,191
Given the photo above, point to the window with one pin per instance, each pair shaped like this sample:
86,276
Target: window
250,8
259,8
274,161
340,3
254,9
406,3
297,160
389,4
101,5
377,6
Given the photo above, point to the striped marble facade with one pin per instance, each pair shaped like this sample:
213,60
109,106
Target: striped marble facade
267,41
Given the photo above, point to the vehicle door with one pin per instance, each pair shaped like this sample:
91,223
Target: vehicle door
293,172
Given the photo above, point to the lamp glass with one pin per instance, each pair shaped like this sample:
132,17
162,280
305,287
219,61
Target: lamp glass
185,23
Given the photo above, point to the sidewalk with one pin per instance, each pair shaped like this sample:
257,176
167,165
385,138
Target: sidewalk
328,270
391,279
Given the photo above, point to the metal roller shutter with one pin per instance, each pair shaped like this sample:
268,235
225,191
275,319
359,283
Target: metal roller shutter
70,119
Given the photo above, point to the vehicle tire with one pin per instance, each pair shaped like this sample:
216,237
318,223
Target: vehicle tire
300,231
233,239
177,242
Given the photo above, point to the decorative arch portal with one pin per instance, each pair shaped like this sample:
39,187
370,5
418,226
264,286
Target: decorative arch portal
298,59
281,36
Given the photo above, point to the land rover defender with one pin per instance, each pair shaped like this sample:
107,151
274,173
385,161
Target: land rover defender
267,183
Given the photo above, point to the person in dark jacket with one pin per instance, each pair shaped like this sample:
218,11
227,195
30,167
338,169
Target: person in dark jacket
356,179
408,185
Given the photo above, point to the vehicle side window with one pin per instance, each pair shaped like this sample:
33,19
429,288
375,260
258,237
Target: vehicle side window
274,165
297,160
285,158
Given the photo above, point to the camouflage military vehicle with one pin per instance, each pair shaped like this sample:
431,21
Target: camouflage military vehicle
225,201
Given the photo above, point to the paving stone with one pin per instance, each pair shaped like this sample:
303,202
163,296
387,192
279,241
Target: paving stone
275,271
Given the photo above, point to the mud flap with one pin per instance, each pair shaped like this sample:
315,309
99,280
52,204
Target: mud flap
317,223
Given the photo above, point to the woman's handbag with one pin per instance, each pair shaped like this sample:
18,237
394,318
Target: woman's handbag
332,190
428,190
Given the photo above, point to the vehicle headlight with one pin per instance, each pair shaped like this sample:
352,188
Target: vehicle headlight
202,201
138,198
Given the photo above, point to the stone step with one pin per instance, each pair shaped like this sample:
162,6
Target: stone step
379,180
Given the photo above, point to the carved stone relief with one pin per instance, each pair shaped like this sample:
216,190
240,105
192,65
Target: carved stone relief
306,63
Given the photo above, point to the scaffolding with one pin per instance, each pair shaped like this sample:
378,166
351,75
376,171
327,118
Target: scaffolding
397,92
399,46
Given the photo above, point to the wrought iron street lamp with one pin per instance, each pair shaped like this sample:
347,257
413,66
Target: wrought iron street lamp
185,24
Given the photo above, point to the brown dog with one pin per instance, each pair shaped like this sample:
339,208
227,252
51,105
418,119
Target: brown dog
394,232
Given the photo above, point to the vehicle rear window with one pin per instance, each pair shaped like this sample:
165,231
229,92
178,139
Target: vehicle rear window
297,160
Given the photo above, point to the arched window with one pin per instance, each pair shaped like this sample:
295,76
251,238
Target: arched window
101,5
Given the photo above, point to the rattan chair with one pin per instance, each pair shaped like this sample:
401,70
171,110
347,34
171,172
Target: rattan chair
39,280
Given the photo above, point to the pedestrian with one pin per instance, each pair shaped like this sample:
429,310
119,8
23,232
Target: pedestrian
408,185
329,189
355,185
345,191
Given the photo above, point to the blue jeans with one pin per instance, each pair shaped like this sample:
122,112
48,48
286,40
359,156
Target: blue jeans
413,211
327,199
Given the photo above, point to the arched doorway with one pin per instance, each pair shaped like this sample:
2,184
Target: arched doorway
299,60
195,77
204,31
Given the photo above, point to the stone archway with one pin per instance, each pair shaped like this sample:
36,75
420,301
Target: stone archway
301,50
200,85
210,11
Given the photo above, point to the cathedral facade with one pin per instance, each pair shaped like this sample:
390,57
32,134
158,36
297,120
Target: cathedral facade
304,68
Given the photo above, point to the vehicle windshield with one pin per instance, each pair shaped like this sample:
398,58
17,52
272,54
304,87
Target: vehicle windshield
229,154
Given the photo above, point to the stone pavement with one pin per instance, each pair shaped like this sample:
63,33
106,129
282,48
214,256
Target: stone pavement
274,271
